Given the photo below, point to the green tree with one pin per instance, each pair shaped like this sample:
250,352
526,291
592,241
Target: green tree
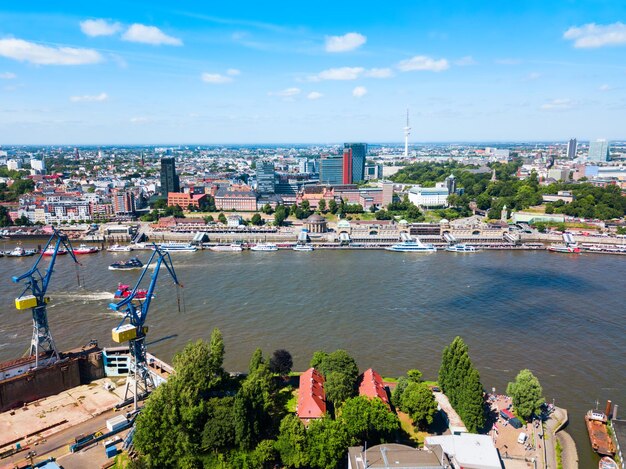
332,206
317,359
419,402
257,219
219,430
339,387
396,395
527,394
321,205
256,360
4,216
291,443
280,215
222,218
217,352
327,440
368,420
267,209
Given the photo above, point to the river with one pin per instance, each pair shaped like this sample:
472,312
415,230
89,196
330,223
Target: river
561,316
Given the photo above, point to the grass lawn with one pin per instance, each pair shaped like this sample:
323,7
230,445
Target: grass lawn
390,380
417,437
431,383
293,400
431,217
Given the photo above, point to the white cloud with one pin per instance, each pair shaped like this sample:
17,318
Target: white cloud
532,76
605,87
89,98
593,35
465,61
342,73
379,73
7,76
216,78
345,43
99,27
286,93
422,62
25,51
558,105
313,95
149,35
359,91
233,72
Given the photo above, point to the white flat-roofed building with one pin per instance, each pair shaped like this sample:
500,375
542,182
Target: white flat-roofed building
467,451
429,196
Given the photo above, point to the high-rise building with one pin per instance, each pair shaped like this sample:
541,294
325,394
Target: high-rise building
331,170
169,178
451,184
265,177
123,202
599,150
572,146
359,152
347,166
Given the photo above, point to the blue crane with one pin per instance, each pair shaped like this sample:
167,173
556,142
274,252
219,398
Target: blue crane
42,345
132,328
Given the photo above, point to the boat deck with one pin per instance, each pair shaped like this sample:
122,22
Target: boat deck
600,440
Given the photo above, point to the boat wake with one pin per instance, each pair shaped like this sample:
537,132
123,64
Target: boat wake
93,296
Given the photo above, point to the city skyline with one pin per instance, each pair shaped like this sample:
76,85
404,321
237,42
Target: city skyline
155,73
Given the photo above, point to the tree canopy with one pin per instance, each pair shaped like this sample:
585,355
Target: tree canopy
526,393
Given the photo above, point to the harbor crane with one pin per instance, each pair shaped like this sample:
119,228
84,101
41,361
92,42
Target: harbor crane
42,346
132,328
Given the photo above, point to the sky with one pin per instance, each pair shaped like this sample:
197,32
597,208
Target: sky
120,72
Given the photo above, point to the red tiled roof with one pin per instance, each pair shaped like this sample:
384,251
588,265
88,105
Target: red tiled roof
311,395
371,385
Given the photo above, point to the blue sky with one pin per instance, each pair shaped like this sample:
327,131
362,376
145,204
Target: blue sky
260,72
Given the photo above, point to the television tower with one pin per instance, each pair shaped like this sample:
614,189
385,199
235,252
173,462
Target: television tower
407,132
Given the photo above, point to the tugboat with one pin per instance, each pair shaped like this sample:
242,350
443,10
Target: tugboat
599,437
124,291
50,251
84,249
131,264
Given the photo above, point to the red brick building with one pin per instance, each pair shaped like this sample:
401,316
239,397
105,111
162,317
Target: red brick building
371,385
311,396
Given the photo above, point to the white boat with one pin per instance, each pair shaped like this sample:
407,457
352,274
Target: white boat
177,247
233,247
303,247
264,247
119,248
413,245
19,251
84,249
461,248
564,248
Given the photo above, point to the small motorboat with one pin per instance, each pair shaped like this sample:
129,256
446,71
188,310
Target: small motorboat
607,463
124,291
119,248
19,251
84,249
131,264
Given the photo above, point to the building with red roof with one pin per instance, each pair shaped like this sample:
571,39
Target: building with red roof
311,396
371,385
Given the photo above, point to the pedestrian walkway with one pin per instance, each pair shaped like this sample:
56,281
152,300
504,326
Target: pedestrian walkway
553,433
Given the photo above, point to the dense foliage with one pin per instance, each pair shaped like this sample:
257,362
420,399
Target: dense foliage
460,381
601,203
415,398
527,394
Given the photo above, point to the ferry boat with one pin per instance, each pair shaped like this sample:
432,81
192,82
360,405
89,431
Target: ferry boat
412,246
84,249
564,248
233,247
123,291
303,247
599,437
50,251
177,247
119,248
19,251
461,248
607,463
264,247
131,264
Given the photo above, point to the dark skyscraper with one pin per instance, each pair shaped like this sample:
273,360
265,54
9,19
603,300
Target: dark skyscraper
331,170
265,177
359,151
572,145
169,178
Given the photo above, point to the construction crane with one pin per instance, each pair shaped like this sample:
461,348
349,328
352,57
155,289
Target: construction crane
42,345
132,328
